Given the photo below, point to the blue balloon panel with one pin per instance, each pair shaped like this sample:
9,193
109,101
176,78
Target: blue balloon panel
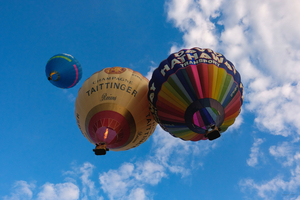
63,71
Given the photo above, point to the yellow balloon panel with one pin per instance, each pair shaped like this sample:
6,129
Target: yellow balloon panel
112,108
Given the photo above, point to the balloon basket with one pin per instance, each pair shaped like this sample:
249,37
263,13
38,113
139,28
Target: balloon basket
100,149
99,152
213,134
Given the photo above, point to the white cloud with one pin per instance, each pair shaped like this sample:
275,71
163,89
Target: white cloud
275,187
68,190
138,193
269,33
88,185
152,68
297,198
277,109
70,96
49,191
286,153
297,156
255,153
149,172
125,183
22,190
117,182
61,191
261,38
193,19
174,153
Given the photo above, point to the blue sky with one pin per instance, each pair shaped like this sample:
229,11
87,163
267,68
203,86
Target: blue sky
43,154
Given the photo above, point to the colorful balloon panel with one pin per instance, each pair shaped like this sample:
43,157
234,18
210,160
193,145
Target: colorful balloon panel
63,70
112,108
194,90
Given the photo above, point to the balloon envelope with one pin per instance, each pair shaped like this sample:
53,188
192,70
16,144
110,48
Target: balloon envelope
194,90
112,108
63,71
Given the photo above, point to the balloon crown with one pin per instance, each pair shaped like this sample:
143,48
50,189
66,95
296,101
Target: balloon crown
115,70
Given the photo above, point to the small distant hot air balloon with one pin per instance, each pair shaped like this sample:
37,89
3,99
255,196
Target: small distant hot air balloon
112,110
63,71
195,94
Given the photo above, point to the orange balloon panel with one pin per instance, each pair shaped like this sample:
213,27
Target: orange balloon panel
112,108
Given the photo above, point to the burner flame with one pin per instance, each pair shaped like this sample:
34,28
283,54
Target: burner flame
105,134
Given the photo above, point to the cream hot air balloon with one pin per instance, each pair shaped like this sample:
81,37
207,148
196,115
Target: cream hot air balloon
112,110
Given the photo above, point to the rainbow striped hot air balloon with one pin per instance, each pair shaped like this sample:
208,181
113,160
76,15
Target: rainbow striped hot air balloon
63,71
195,94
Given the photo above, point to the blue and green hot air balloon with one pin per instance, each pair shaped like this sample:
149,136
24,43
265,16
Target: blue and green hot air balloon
63,70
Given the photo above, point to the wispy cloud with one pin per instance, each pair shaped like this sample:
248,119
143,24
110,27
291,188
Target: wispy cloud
255,153
276,187
152,68
117,183
89,189
277,109
63,191
287,153
193,19
49,191
128,181
69,189
174,153
253,42
70,96
21,190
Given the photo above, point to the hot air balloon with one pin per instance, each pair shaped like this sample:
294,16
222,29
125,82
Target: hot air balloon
112,110
195,94
63,70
